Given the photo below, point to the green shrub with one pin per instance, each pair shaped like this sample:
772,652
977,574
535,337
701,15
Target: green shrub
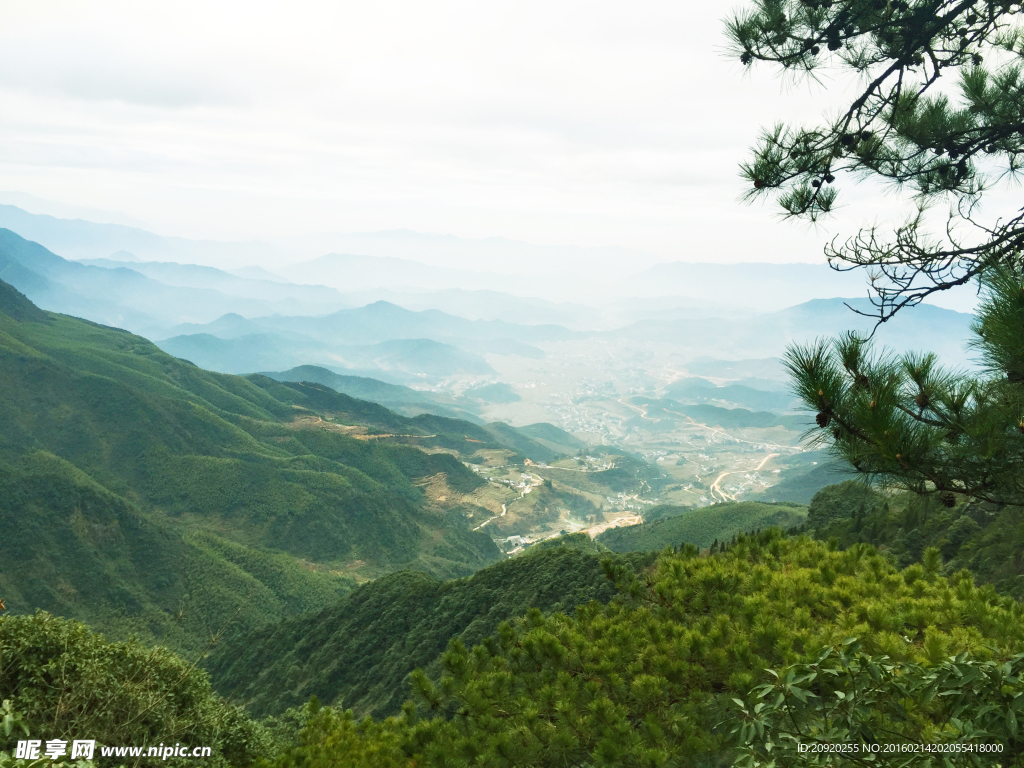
67,682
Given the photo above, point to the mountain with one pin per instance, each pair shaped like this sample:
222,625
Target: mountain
404,400
80,239
496,392
381,340
283,296
798,485
144,494
348,272
697,390
360,651
120,295
383,321
700,526
243,354
764,286
486,304
923,327
553,437
716,416
399,359
669,673
380,321
15,305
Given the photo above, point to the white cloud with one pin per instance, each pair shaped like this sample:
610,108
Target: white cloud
557,122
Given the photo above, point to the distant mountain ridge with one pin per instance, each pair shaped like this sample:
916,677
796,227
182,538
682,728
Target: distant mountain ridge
923,327
120,295
380,339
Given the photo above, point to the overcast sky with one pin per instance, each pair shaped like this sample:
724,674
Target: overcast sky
585,123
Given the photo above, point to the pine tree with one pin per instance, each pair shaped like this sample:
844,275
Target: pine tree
905,419
944,145
917,426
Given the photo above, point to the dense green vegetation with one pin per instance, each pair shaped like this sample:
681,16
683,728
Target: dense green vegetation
985,539
64,682
409,402
79,550
961,711
701,526
143,494
553,437
649,678
359,652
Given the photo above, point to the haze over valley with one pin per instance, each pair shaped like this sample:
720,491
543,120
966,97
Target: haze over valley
638,384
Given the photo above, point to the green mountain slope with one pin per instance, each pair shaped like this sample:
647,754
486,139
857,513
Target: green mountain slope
263,495
798,485
664,675
701,526
361,650
554,438
74,548
988,541
404,400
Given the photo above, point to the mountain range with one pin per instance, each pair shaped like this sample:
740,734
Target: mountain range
146,495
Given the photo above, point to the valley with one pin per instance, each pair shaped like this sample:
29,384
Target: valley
674,407
449,442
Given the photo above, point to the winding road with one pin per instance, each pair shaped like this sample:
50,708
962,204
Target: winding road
717,488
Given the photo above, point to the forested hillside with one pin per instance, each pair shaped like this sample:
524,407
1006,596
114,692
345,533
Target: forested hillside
660,676
980,537
701,526
144,494
359,652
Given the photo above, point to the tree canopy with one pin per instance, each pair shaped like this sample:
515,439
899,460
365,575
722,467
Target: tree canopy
906,419
921,427
943,142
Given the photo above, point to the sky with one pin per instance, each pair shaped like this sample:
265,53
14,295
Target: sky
557,123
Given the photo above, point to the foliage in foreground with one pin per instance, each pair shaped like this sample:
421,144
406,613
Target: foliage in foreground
848,707
66,682
649,679
983,539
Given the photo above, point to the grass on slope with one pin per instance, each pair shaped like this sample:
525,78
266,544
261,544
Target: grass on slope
702,525
360,651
